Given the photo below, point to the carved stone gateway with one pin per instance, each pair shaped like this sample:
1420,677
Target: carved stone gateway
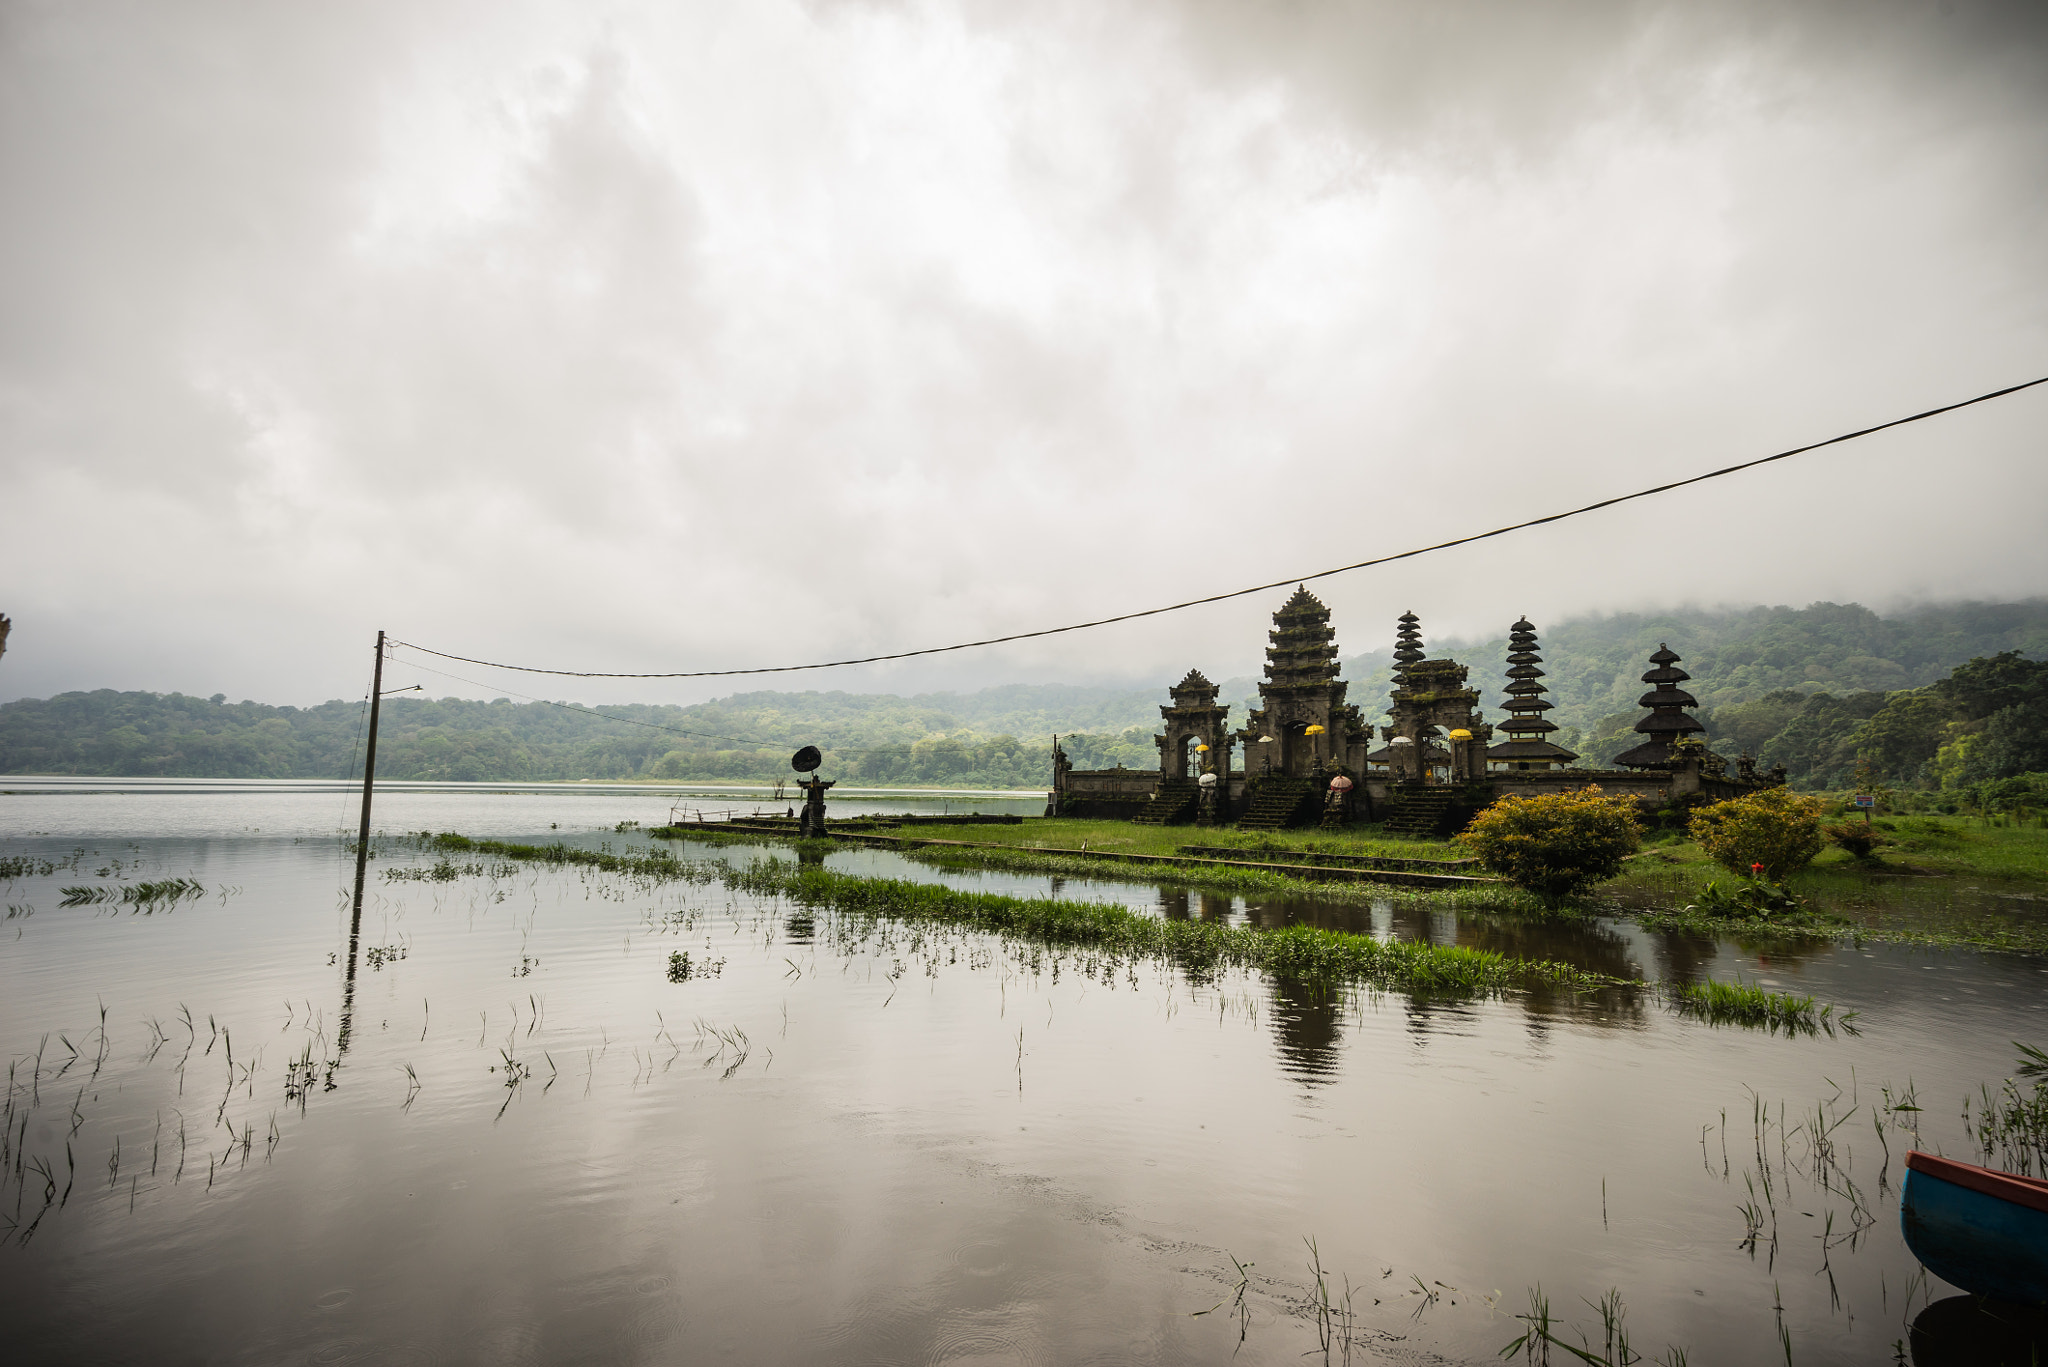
1436,713
1195,719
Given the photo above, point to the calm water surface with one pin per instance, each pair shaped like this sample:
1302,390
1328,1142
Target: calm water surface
514,1139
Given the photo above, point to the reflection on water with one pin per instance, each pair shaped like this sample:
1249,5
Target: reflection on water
1964,1331
1184,904
1307,1025
842,1142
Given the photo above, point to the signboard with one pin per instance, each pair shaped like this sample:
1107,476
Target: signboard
1863,800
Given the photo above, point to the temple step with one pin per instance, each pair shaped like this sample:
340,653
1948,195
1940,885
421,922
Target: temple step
1280,803
1419,811
1176,801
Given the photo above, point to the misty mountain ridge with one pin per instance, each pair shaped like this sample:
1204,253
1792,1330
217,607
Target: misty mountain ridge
1774,660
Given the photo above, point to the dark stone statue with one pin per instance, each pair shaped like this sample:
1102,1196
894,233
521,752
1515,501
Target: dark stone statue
811,825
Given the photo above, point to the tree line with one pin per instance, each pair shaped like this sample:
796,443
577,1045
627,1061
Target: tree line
1930,699
877,740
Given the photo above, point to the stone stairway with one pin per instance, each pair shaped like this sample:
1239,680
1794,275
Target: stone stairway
1419,811
1175,802
1280,802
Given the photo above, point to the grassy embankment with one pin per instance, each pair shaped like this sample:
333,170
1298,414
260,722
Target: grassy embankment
1200,948
1069,847
1942,879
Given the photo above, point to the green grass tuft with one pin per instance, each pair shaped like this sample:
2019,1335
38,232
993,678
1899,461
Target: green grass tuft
1739,1003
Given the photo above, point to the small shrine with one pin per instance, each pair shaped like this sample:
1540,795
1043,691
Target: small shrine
1670,723
1437,731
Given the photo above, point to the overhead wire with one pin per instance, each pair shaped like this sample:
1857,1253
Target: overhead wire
1255,588
636,721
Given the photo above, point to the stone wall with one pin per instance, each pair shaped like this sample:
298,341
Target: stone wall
1104,794
1120,794
1650,787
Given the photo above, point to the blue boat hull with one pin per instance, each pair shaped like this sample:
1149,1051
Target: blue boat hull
1985,1245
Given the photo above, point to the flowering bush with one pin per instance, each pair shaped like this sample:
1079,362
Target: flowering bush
1558,844
1765,835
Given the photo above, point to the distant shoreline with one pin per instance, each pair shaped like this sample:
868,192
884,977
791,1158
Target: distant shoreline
58,783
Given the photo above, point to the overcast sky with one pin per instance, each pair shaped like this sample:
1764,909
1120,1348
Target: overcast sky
669,336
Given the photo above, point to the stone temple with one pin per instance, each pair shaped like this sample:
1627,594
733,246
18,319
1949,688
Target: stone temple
1306,756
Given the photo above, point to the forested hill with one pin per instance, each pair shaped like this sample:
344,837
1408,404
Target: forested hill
1802,686
969,740
1596,664
1829,653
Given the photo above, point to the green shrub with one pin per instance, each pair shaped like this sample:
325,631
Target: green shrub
1764,835
1558,844
1859,838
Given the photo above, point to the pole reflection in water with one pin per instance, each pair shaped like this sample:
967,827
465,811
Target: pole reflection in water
348,977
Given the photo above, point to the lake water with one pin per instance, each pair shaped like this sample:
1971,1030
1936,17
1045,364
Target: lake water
512,1138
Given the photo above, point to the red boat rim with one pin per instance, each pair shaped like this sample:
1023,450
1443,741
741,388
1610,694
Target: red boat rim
2031,1192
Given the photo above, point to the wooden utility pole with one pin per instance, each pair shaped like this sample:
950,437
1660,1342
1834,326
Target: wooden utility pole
369,773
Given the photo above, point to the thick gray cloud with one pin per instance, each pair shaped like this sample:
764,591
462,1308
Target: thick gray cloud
666,337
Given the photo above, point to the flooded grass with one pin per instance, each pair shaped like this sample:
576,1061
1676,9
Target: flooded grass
2009,1125
1947,882
1720,1003
1199,948
1543,1331
1072,861
144,897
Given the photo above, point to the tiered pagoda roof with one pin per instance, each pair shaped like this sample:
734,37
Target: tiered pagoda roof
1668,720
1415,675
1302,648
1430,699
1526,746
1407,646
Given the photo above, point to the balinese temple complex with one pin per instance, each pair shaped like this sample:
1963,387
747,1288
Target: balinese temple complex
1304,755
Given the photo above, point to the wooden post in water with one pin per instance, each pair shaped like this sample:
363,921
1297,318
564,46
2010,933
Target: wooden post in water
369,775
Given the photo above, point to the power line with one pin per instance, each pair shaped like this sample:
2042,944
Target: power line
655,725
1258,588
